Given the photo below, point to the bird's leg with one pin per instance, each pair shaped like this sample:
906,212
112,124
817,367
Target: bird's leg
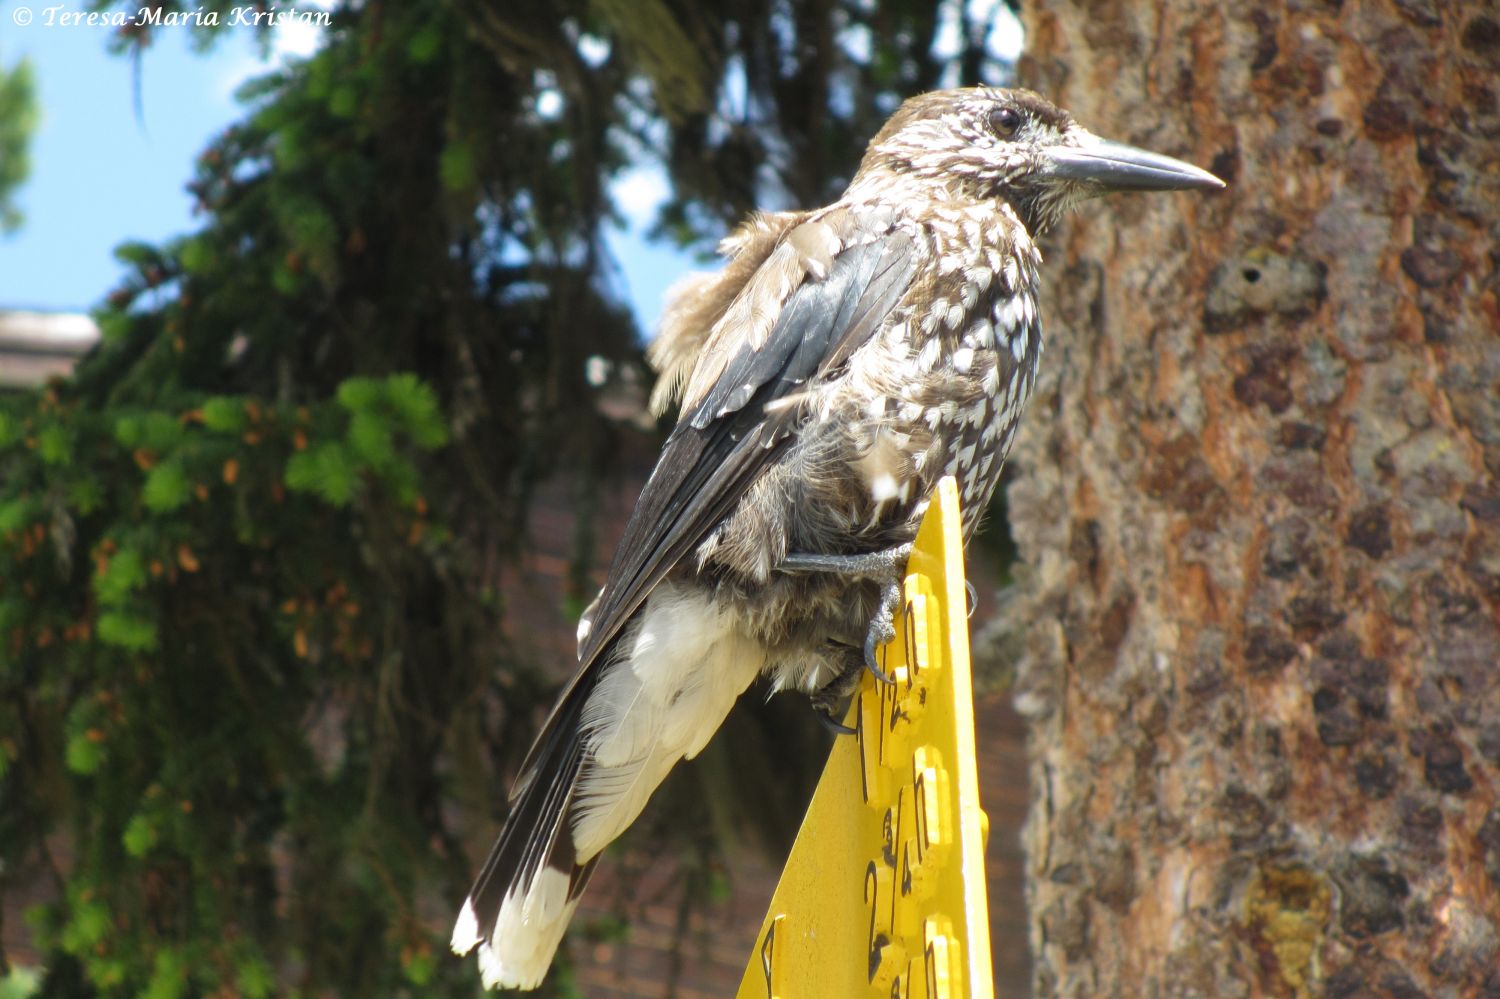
883,566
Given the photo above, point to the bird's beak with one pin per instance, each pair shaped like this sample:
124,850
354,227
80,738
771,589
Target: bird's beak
1115,166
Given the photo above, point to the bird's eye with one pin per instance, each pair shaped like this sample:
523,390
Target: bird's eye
1005,121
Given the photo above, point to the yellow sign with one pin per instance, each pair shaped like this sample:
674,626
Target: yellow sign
884,893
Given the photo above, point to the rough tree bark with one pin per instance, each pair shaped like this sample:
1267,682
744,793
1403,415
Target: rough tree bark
1257,495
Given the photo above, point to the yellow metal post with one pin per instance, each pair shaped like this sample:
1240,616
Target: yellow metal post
884,892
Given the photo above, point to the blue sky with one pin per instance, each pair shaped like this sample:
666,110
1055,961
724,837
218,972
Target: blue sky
105,170
102,174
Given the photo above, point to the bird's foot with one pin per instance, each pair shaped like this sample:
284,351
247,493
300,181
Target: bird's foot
886,566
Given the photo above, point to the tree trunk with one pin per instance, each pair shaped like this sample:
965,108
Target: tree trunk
1256,497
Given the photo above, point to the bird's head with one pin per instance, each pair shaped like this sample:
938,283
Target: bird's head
983,143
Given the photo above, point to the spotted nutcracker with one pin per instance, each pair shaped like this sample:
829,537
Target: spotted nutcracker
842,362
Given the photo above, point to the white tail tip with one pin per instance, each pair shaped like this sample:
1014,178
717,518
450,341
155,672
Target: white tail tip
518,950
466,930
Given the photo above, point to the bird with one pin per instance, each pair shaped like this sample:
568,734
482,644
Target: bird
841,362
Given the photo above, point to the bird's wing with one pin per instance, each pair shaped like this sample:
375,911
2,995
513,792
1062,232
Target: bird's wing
720,445
696,304
726,438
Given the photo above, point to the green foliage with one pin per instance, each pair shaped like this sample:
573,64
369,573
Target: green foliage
119,576
54,444
457,167
83,754
326,470
240,629
18,118
139,836
20,983
166,487
251,658
15,513
253,977
132,632
224,415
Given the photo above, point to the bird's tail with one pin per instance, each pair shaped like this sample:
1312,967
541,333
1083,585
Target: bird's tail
526,892
655,697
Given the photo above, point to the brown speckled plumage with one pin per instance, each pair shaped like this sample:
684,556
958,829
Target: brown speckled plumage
842,362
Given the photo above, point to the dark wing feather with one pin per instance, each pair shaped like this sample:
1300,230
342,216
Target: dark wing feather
719,448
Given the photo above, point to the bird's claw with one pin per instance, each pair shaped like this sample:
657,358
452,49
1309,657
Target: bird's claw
827,720
872,642
882,628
